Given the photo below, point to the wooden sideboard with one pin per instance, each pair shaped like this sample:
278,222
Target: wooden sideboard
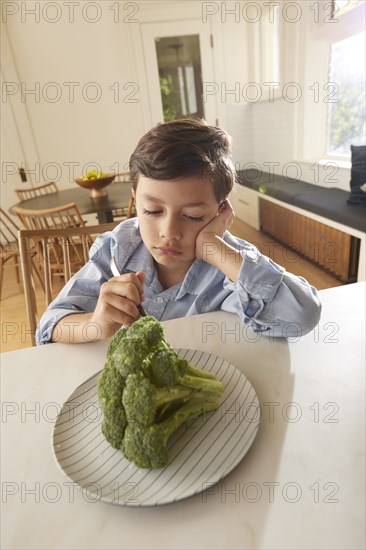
339,249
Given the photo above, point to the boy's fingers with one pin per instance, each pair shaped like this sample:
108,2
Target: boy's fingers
141,277
135,279
117,288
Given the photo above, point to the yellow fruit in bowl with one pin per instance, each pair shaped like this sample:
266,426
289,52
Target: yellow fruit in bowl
95,175
95,182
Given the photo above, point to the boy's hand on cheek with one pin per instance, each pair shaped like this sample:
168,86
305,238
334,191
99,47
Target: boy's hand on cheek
214,230
117,303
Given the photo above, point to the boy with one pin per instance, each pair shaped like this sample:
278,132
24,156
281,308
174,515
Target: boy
177,257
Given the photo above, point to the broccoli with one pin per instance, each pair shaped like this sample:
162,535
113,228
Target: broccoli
167,369
110,390
146,391
141,399
110,384
142,337
115,343
149,331
114,423
146,446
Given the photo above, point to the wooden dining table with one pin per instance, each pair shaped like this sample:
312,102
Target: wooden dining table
301,484
118,195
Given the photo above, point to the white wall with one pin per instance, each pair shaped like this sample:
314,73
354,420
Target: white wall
50,135
71,129
42,57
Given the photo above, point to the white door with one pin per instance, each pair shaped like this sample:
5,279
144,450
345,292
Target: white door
179,70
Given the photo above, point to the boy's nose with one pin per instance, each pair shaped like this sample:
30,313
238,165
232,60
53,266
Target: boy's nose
170,229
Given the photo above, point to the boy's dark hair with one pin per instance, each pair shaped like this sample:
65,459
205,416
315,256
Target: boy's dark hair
183,148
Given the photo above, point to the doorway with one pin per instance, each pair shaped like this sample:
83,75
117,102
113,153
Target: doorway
179,69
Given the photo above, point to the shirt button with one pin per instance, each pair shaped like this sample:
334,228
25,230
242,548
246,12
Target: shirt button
159,300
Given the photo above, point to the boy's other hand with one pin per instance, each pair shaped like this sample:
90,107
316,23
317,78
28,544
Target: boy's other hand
214,230
118,301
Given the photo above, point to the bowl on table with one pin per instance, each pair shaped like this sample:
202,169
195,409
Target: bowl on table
96,186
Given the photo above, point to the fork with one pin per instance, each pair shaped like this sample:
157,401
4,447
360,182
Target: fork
116,273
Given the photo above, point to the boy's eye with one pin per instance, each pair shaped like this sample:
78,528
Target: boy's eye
157,212
195,218
151,212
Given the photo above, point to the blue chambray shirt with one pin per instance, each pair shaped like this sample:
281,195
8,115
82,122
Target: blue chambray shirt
265,296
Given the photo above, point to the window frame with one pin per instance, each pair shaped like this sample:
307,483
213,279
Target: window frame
324,33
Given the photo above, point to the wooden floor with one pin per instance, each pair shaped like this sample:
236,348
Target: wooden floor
14,329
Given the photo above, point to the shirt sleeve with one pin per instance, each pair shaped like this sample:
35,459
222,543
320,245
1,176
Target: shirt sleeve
269,299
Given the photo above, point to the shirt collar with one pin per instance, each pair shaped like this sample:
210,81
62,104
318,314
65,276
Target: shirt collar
196,278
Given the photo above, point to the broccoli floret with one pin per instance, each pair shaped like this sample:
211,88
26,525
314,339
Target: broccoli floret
114,423
133,446
142,400
110,384
115,343
110,390
147,446
142,338
167,369
149,330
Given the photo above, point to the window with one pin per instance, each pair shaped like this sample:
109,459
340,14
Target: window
340,7
346,113
332,117
270,46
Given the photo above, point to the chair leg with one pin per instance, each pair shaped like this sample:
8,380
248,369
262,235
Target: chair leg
16,261
1,276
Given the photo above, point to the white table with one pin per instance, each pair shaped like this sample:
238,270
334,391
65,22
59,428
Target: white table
300,486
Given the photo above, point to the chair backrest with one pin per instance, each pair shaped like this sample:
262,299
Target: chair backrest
129,211
66,215
60,217
46,240
40,190
8,230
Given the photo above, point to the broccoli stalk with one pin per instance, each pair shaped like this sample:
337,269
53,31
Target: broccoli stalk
167,369
189,369
142,400
146,446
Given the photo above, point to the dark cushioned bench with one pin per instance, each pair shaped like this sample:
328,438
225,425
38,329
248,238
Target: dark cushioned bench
330,202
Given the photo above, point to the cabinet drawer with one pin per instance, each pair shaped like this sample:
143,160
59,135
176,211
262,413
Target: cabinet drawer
246,205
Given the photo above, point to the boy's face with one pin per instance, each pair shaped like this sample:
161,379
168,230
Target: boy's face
171,214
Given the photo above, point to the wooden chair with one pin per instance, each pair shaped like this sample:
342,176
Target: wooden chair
8,245
45,239
125,212
9,249
58,218
66,215
31,192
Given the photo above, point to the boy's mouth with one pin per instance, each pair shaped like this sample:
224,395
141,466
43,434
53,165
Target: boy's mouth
168,250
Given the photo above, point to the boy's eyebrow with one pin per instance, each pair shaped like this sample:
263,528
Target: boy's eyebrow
190,204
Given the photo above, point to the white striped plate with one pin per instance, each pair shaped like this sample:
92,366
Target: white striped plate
200,455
